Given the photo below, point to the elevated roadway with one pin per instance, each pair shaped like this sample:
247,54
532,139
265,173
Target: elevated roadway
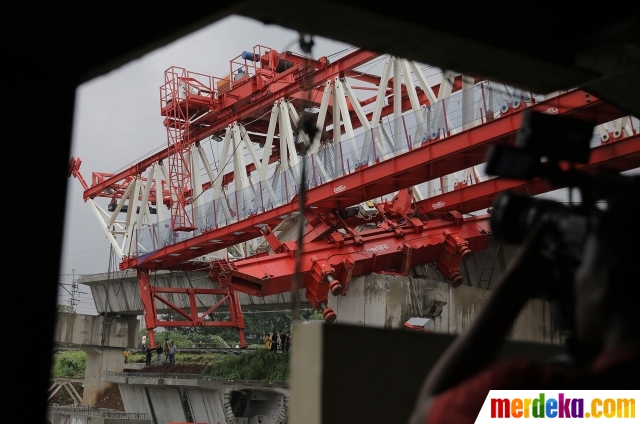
119,292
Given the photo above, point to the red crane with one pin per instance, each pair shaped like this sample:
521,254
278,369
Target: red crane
355,157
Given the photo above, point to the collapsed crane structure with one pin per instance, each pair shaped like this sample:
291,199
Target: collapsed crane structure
391,178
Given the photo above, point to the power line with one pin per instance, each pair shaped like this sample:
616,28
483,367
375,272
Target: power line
342,51
84,251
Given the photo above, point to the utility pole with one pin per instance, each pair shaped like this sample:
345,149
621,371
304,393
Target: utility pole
73,301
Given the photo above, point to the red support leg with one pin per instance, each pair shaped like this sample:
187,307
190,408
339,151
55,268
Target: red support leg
148,305
190,317
235,311
152,338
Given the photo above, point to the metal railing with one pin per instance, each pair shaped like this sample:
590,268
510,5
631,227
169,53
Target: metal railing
115,275
131,374
191,377
425,127
97,412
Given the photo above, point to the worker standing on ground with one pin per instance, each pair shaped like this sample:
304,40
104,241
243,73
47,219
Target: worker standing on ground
283,341
267,341
148,351
166,351
274,341
289,341
126,354
172,353
159,355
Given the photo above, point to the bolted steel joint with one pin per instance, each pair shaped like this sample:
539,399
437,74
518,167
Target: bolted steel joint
334,285
456,279
320,269
327,313
464,252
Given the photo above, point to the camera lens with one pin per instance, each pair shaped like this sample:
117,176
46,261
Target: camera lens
506,216
514,216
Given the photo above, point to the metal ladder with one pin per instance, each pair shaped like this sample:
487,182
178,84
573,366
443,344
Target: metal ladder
485,271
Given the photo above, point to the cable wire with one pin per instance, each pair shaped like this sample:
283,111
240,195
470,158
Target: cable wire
310,129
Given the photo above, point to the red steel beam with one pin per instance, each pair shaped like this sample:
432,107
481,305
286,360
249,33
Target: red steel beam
320,76
348,62
617,155
444,156
109,180
378,251
432,160
96,190
149,294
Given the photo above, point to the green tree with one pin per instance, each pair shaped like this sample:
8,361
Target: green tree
258,365
257,323
314,315
69,364
66,309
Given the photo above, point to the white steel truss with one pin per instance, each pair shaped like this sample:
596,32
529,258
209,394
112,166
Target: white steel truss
362,137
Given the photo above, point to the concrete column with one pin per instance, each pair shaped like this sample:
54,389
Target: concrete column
99,359
374,300
96,330
388,301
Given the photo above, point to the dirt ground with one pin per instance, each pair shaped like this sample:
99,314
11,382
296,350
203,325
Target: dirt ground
174,369
110,397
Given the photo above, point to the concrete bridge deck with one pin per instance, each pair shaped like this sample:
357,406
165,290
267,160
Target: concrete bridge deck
197,398
119,292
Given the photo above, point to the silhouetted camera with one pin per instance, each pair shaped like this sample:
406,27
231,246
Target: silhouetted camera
514,216
548,147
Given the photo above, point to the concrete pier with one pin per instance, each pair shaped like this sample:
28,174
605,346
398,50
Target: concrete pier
99,359
355,374
96,330
388,301
103,338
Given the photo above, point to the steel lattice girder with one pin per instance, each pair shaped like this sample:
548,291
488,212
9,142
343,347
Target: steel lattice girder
120,180
388,252
329,72
430,161
621,154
